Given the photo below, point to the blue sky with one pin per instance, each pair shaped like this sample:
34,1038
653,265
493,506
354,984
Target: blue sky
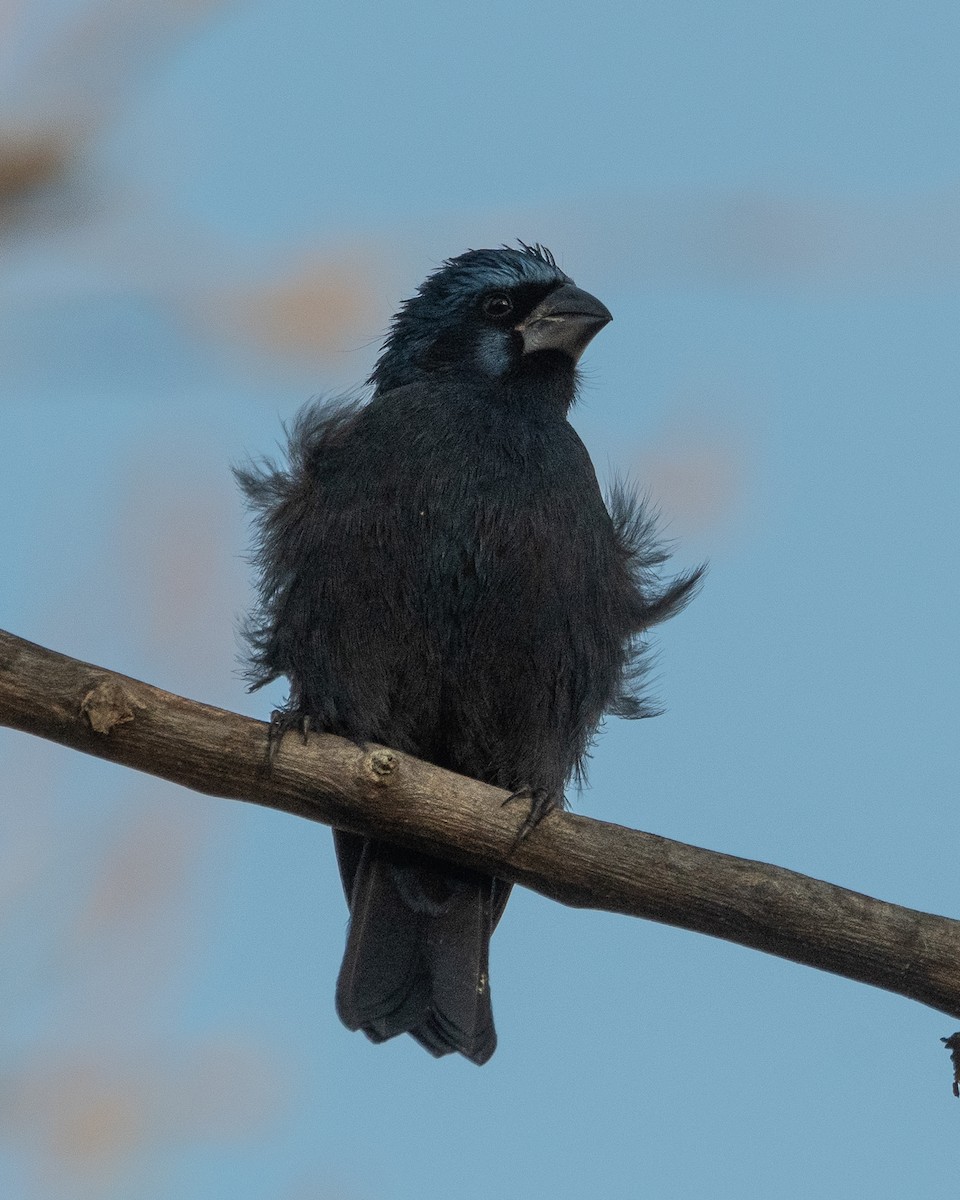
768,199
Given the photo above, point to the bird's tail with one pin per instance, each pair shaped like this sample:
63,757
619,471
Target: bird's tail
417,950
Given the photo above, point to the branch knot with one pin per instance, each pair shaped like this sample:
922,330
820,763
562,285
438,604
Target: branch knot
109,704
382,764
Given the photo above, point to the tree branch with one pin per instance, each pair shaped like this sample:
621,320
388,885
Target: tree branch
383,793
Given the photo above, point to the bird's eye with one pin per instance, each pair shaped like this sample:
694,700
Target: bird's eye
497,305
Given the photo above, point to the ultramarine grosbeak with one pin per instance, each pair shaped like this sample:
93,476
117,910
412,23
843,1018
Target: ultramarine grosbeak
439,573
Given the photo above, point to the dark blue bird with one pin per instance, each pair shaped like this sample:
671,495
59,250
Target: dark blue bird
439,573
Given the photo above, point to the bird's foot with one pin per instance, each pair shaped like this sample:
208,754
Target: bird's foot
541,801
282,721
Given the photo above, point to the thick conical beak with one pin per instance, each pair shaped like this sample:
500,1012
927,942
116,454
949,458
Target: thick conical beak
566,320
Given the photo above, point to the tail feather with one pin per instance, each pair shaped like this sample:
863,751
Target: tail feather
418,968
459,944
384,982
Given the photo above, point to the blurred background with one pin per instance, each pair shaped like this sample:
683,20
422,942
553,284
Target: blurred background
208,212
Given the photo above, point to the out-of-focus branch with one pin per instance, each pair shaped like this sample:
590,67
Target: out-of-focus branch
575,860
30,160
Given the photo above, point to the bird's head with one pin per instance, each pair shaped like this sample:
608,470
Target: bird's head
497,312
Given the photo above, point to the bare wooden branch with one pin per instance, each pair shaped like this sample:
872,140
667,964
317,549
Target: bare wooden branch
575,860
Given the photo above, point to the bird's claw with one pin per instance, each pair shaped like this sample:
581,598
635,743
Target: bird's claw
541,801
282,721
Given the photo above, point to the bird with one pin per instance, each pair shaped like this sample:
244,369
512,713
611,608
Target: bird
440,573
